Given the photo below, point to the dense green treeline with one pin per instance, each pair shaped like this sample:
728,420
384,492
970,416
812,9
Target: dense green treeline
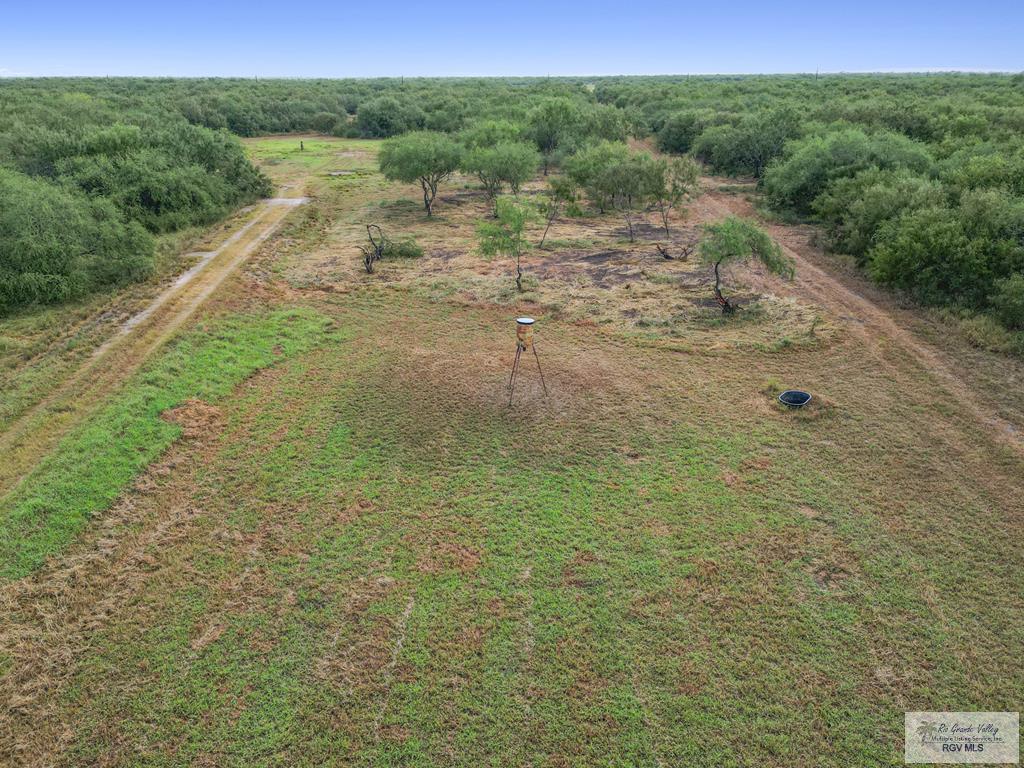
86,181
927,108
918,177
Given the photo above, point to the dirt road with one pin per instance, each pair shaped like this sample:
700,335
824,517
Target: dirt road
874,325
41,427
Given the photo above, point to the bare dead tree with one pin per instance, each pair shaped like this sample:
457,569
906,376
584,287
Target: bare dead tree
684,254
375,250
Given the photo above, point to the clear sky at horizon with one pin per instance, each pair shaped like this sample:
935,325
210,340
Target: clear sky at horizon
338,39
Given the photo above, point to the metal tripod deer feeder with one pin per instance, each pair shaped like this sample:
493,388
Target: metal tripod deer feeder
524,341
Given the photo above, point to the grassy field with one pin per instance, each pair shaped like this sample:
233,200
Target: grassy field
311,531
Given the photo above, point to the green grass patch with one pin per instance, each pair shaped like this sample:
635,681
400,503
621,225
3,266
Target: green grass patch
393,566
93,465
295,150
406,248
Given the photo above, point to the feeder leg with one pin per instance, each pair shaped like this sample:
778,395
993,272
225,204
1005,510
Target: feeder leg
512,378
537,357
515,366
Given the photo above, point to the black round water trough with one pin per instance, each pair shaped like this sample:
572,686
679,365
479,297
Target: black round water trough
795,398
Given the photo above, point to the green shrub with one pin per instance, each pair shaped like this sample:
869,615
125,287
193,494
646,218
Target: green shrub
1008,301
386,116
853,209
748,146
985,332
553,123
679,132
984,165
604,123
488,133
166,178
927,254
56,244
81,189
346,130
811,164
963,256
403,249
588,169
324,122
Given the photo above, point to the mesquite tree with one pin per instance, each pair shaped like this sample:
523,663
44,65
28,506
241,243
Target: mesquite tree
734,241
506,235
483,164
614,177
670,183
589,167
561,192
422,156
627,183
487,133
507,162
552,123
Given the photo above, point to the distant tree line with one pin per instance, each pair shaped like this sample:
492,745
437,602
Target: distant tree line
918,177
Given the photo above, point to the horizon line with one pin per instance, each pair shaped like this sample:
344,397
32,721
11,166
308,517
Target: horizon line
8,75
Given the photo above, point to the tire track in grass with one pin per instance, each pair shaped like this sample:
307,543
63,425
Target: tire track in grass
38,430
389,670
876,327
95,463
60,627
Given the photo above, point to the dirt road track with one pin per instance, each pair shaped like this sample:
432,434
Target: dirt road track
875,327
37,430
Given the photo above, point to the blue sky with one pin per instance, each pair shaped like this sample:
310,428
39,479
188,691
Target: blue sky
310,38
